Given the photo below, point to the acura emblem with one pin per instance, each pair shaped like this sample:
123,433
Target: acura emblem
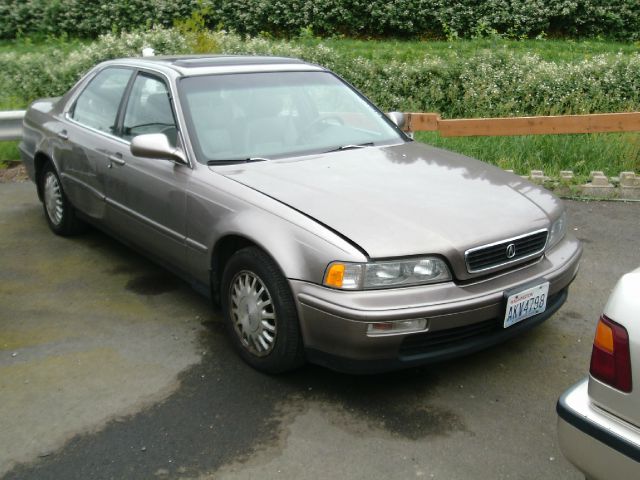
511,250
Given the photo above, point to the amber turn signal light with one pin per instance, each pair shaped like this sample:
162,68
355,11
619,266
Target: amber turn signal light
604,337
335,275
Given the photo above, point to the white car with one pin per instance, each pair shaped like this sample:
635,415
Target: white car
599,418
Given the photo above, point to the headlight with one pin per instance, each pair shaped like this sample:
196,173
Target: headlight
558,230
397,273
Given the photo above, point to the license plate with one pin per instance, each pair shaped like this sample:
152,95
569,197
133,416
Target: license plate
526,303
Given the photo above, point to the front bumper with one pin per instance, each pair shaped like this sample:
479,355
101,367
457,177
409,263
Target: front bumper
599,444
462,318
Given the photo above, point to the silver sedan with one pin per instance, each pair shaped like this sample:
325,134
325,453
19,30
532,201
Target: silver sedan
321,229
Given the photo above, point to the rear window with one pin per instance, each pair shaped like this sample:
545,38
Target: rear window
97,105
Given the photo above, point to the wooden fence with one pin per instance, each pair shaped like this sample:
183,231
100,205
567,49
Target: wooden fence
493,127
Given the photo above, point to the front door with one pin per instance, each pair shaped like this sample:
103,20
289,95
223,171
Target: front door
146,197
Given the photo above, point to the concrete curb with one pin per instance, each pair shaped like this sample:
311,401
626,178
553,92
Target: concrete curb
626,186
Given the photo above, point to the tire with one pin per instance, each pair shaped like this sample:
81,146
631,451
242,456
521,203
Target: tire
259,312
60,214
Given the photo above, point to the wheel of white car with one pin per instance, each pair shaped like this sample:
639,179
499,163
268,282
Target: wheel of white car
259,312
60,214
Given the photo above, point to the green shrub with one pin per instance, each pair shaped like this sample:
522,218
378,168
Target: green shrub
88,18
618,19
33,75
489,84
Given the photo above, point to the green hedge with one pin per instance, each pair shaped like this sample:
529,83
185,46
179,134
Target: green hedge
619,19
28,76
87,18
491,83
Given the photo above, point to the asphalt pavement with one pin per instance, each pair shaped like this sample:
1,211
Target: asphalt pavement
111,367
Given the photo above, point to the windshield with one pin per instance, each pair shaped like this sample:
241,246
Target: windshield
278,114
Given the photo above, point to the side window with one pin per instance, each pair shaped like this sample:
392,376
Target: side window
97,106
149,109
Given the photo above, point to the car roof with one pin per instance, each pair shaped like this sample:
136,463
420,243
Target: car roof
188,65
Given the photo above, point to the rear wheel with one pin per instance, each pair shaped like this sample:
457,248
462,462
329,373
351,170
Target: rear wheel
259,312
60,214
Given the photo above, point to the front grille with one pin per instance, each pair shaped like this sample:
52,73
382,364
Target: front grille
497,254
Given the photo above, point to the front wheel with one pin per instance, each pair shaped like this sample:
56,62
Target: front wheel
60,214
259,312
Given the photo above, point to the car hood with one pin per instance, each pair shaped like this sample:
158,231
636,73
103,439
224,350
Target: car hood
407,199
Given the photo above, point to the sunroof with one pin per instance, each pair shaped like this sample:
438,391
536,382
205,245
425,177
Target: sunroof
230,60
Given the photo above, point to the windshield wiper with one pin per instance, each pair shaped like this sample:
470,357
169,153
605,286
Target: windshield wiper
350,147
237,160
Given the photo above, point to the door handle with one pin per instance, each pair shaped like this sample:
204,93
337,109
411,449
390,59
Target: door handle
63,135
117,159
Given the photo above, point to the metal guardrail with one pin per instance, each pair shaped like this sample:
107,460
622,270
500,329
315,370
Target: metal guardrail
11,125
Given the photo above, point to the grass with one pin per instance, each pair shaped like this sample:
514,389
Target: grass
8,152
611,153
28,45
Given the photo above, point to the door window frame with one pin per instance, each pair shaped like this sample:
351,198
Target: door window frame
126,98
68,110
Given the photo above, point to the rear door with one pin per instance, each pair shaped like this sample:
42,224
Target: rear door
87,137
146,197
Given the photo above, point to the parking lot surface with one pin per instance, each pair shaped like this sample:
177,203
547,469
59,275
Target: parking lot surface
111,367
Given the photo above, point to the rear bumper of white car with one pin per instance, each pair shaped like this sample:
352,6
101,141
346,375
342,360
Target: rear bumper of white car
599,444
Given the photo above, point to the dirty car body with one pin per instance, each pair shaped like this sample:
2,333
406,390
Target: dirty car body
324,232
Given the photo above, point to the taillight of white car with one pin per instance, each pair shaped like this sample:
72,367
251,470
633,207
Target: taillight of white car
610,358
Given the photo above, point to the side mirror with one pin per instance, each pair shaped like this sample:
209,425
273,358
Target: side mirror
156,145
398,118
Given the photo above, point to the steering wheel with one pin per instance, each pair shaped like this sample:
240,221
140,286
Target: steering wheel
329,120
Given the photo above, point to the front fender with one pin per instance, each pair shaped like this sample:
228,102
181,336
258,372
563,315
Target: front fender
300,253
300,246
